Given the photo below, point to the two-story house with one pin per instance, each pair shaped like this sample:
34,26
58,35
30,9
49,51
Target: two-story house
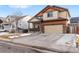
52,19
23,24
10,22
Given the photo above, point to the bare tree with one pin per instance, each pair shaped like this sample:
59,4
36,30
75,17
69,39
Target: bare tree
18,15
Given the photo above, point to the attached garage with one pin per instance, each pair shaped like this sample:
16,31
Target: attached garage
58,29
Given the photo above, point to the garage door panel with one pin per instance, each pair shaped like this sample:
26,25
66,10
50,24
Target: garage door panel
53,28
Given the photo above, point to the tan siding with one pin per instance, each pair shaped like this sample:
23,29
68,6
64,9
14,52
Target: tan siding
54,29
63,14
55,16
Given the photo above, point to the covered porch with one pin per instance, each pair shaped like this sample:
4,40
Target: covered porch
36,27
36,24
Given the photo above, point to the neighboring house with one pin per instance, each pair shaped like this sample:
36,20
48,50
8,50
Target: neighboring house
23,24
1,21
16,23
1,24
74,25
10,22
52,19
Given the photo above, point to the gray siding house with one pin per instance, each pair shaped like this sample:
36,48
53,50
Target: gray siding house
74,25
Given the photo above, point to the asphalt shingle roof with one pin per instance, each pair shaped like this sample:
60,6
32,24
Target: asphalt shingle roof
74,20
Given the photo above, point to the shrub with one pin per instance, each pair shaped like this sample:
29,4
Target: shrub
12,31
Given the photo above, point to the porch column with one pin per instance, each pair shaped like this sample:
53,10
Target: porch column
40,28
34,27
28,27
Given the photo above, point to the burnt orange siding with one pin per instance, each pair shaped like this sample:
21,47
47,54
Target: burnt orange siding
55,22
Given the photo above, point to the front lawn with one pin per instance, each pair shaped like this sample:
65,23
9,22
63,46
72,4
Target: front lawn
8,36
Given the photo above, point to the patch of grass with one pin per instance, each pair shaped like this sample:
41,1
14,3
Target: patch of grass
4,36
15,33
7,36
10,34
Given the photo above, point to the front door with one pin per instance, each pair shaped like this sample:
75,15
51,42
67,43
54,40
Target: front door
36,27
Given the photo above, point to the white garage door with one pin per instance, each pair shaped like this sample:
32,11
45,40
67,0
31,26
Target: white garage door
53,29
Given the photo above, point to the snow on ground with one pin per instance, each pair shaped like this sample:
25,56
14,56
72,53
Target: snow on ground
24,34
13,34
3,33
68,40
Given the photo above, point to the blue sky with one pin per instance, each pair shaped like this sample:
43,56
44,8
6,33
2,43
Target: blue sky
33,9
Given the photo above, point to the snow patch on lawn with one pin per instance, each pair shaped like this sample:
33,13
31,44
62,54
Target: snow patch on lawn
24,34
3,33
67,40
13,36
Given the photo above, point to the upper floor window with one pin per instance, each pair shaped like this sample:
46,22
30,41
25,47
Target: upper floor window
50,14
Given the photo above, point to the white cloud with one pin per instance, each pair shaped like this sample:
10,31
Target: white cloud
19,6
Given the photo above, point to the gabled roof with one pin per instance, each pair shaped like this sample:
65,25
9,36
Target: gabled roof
12,20
53,7
15,17
26,18
74,20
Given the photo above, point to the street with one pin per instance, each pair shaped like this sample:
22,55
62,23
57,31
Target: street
10,47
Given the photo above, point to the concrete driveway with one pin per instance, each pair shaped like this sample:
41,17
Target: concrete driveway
67,40
54,42
44,40
45,43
